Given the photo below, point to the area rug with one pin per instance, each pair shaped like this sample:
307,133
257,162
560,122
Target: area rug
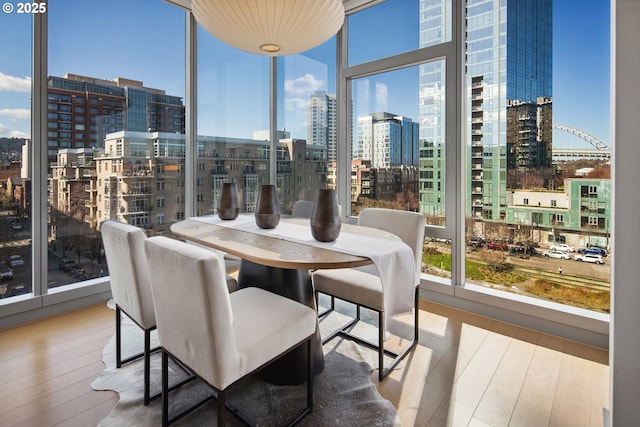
343,392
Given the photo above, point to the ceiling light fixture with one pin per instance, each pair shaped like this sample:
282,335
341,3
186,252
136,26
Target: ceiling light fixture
270,27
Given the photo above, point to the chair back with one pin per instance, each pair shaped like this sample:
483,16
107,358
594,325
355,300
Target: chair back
193,307
128,270
409,226
302,209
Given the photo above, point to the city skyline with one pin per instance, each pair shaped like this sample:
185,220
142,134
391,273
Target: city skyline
580,62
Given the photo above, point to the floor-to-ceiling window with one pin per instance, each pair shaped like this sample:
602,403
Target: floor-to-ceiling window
15,149
232,123
306,114
401,75
115,126
531,204
538,187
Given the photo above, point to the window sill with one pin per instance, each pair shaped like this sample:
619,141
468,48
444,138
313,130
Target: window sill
573,323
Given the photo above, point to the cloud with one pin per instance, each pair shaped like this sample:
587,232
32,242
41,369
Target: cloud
295,104
382,96
16,113
6,132
14,84
303,86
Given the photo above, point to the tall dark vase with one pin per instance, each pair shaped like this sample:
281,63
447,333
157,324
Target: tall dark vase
325,217
267,211
228,203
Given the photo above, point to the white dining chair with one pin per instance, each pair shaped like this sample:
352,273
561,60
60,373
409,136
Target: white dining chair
302,209
222,337
363,287
130,287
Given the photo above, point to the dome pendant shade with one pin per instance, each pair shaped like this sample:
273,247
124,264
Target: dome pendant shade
270,27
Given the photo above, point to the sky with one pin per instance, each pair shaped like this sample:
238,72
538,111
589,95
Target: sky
95,38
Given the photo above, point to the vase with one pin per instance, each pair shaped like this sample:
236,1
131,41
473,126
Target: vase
325,216
228,202
267,211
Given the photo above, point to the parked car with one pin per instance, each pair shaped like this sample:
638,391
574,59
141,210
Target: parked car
476,241
6,273
520,249
593,251
18,290
66,264
562,247
593,258
497,245
16,260
557,254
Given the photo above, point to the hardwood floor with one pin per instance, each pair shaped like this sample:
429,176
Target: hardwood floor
474,371
467,371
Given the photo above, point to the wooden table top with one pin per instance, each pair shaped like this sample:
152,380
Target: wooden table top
267,250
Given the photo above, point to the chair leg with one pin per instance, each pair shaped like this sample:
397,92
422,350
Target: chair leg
118,338
309,377
165,389
344,331
221,409
147,365
381,331
332,307
399,356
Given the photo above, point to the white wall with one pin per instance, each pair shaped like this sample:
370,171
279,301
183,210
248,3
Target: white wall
624,346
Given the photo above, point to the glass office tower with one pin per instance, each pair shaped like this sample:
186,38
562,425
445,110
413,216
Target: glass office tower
508,65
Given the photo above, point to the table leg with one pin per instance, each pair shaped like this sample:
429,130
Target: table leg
294,284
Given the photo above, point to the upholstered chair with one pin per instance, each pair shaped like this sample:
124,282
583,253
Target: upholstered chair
221,337
362,286
302,209
130,287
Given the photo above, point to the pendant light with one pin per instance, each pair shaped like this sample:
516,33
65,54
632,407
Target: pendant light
270,27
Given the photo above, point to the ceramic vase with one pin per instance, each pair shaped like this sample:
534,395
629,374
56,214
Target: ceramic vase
267,211
228,203
325,216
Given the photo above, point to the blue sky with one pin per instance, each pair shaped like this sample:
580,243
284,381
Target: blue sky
95,38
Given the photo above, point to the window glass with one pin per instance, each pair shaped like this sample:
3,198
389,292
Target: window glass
15,146
307,150
397,26
537,149
233,123
137,120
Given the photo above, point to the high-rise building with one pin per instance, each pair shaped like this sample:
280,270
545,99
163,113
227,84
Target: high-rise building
83,110
141,177
321,122
387,140
508,63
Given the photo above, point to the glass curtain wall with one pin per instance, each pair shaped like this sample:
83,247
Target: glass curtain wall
15,152
115,126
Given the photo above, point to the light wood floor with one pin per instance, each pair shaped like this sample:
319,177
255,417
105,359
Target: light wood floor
467,371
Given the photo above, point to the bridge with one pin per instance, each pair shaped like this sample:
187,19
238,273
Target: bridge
600,150
580,153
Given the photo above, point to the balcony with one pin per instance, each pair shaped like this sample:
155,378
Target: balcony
463,364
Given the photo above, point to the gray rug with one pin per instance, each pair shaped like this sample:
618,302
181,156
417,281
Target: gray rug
343,393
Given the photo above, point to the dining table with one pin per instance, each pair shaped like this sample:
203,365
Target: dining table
281,260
